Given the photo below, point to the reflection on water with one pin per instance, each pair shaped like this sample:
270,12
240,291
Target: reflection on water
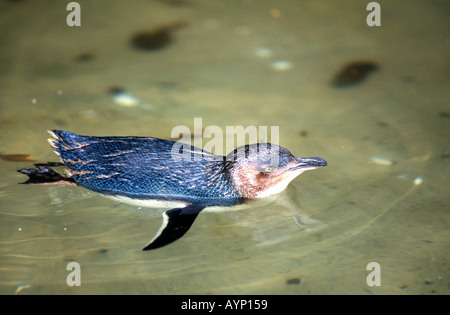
391,209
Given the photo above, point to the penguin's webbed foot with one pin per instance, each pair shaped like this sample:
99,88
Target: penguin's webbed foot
44,175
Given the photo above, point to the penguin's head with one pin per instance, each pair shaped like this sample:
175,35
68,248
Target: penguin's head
264,169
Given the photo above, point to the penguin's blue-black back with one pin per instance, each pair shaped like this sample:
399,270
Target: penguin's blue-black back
144,168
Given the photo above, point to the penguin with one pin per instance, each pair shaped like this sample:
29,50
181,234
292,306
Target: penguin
153,172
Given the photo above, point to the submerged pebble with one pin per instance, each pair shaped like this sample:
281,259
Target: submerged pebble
123,98
17,157
293,281
275,13
155,38
381,161
263,52
83,57
353,73
303,133
281,65
418,181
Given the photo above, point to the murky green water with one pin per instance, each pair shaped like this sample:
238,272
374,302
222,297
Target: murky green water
56,77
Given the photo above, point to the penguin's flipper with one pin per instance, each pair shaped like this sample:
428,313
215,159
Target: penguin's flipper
176,222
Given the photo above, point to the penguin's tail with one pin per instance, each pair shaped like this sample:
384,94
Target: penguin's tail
43,174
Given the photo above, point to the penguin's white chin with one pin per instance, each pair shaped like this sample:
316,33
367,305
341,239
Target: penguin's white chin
280,186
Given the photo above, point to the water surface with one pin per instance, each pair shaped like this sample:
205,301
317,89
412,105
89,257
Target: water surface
220,67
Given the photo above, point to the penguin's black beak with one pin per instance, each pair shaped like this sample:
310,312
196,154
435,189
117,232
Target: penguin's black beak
306,164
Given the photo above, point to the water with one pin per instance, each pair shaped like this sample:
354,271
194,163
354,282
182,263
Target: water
220,67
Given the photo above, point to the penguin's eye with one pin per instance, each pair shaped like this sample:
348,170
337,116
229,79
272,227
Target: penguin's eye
267,168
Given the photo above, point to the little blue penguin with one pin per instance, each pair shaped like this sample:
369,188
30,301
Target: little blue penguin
152,172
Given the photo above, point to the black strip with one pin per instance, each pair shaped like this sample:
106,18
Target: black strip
178,222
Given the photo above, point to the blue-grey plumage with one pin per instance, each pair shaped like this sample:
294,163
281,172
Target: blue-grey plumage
142,170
